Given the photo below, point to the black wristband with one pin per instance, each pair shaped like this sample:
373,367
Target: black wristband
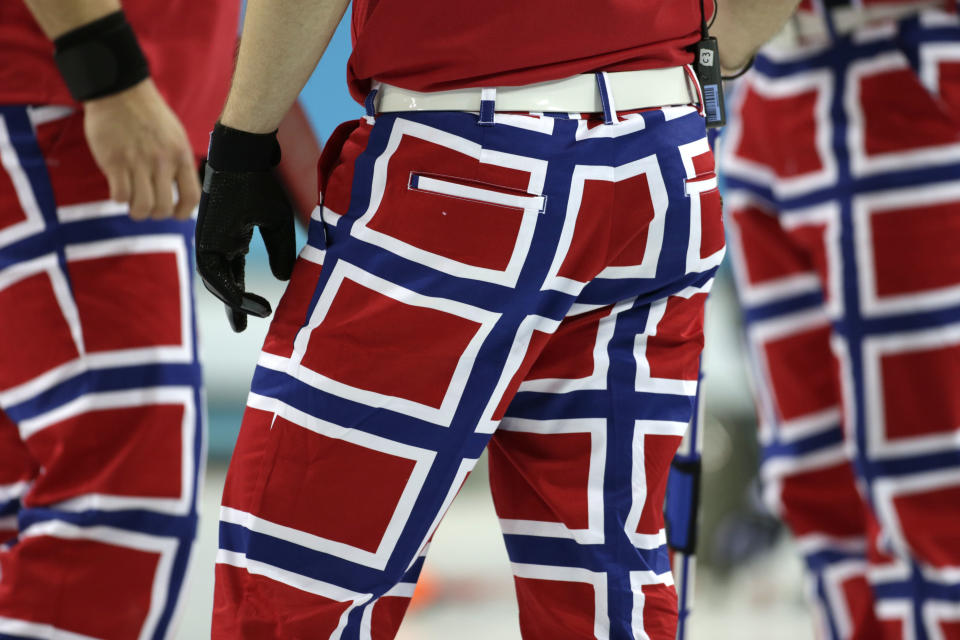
235,150
100,58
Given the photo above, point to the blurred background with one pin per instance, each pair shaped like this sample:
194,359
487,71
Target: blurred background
749,584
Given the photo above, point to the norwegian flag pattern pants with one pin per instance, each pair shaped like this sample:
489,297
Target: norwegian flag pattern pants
535,288
101,442
843,213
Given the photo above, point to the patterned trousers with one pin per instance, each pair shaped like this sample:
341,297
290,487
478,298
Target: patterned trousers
101,441
843,210
534,288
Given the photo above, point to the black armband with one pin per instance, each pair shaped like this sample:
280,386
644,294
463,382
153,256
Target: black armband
100,58
235,150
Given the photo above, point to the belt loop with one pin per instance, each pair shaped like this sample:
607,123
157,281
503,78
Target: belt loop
370,103
826,10
606,99
488,105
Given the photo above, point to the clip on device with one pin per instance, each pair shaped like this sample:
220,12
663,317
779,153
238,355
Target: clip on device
706,65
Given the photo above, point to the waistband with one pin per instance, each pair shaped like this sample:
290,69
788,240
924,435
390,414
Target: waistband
844,20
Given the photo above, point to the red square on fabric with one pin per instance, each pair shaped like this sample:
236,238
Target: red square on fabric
704,165
128,301
123,451
552,609
931,524
948,73
812,240
537,343
919,392
911,118
658,452
332,488
16,463
36,338
253,443
254,606
73,572
674,352
387,615
768,253
544,477
823,501
628,225
711,223
464,229
860,606
950,630
64,147
803,372
291,313
10,210
770,120
587,255
371,341
569,352
605,235
659,611
914,248
892,629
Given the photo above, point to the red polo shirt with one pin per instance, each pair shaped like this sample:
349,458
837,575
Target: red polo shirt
189,44
433,45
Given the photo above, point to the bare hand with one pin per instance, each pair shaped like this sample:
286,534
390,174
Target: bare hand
143,151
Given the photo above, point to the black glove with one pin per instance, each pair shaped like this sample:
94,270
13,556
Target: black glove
239,193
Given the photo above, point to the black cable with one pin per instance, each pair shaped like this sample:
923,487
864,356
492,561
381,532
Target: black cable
746,68
705,30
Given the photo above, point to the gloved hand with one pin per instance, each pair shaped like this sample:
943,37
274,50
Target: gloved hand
240,193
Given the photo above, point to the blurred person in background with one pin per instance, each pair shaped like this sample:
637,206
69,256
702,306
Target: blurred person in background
101,438
843,213
513,247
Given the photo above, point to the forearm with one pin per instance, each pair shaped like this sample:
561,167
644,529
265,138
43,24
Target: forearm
743,26
281,44
56,17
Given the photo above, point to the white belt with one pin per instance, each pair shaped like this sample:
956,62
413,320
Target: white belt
630,90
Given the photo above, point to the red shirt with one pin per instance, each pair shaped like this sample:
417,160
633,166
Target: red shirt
189,43
433,45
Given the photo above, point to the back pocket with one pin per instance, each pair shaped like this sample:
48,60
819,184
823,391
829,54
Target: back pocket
432,200
476,191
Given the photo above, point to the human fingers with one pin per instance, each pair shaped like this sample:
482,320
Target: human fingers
142,197
188,186
163,175
118,179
